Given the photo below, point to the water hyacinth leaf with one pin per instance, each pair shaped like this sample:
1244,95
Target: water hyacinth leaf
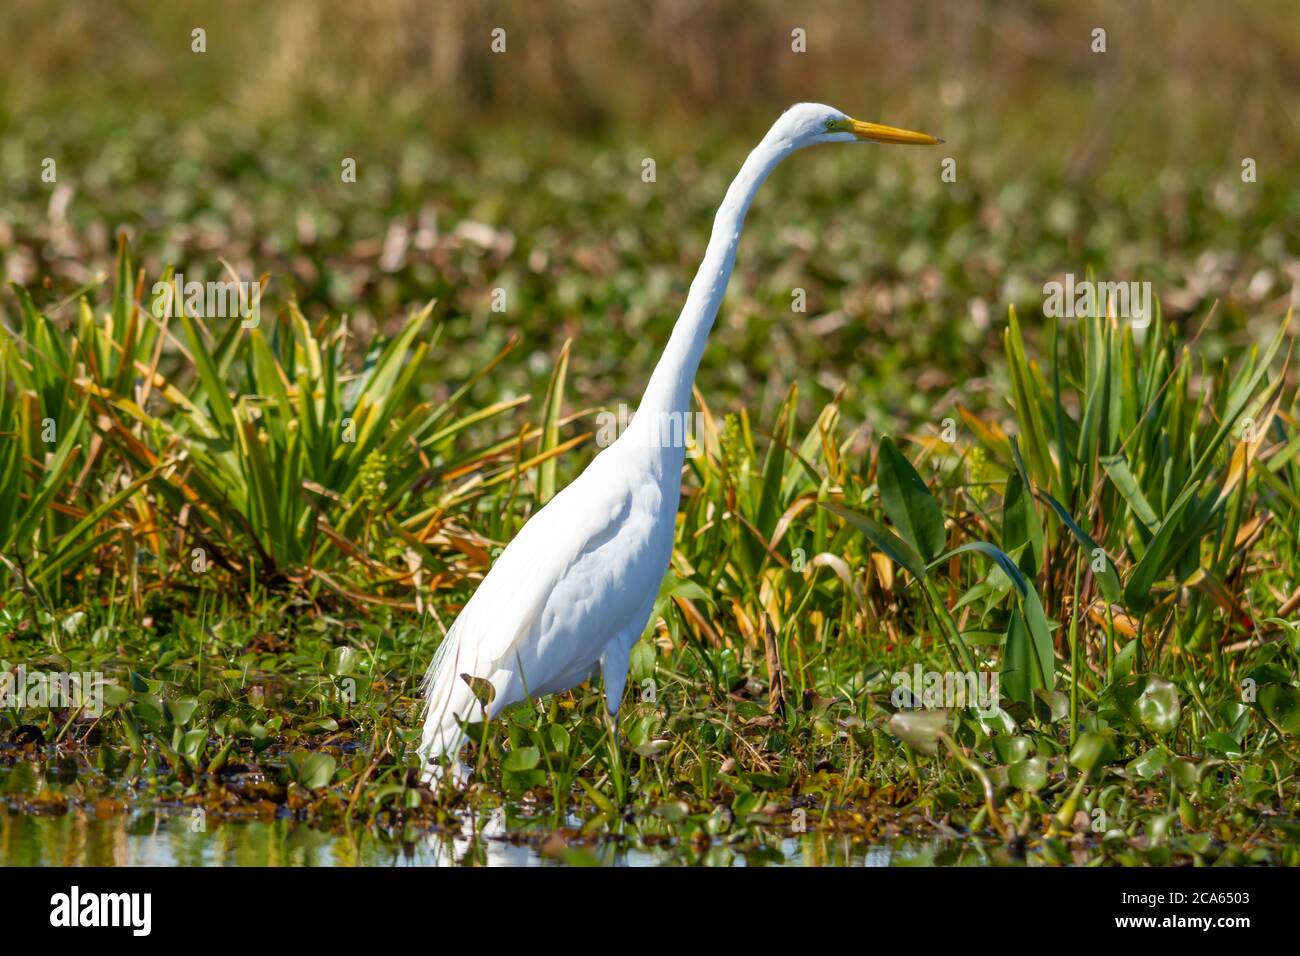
1217,742
1150,701
1236,718
311,770
180,711
996,721
520,759
1093,750
1185,771
919,729
652,748
1050,705
192,745
1159,707
674,811
1028,775
1149,764
343,661
561,740
1011,749
885,540
908,502
642,661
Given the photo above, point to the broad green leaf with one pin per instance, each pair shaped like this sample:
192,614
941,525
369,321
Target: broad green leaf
1093,750
1149,700
1281,703
1137,593
908,502
1020,525
1149,765
521,758
1011,749
1029,775
885,540
919,729
998,556
311,770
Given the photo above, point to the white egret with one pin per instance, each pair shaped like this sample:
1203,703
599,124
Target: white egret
573,591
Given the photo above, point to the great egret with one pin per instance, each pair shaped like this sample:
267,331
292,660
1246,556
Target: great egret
573,591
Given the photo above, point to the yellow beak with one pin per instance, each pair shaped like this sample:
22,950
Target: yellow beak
877,133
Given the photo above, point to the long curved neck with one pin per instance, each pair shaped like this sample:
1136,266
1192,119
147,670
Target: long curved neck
669,389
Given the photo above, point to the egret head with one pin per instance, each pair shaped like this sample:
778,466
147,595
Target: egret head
806,124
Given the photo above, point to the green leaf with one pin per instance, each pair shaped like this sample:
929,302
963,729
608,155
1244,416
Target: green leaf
1217,742
908,502
1137,593
885,540
1107,577
999,557
1281,703
602,802
1011,749
642,661
521,758
1150,701
1093,750
1044,655
1149,765
181,710
311,770
919,729
1028,775
1123,478
1020,525
1019,672
482,688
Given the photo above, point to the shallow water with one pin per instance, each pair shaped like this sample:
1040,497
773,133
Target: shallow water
140,833
147,838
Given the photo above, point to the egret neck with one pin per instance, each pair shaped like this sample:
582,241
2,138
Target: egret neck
668,394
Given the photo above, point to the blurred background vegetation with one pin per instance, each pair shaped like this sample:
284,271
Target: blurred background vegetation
522,170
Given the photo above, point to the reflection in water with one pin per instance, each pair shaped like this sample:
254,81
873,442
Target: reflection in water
180,836
148,838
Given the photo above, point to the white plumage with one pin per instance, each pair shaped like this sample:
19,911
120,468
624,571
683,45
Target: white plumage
574,590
